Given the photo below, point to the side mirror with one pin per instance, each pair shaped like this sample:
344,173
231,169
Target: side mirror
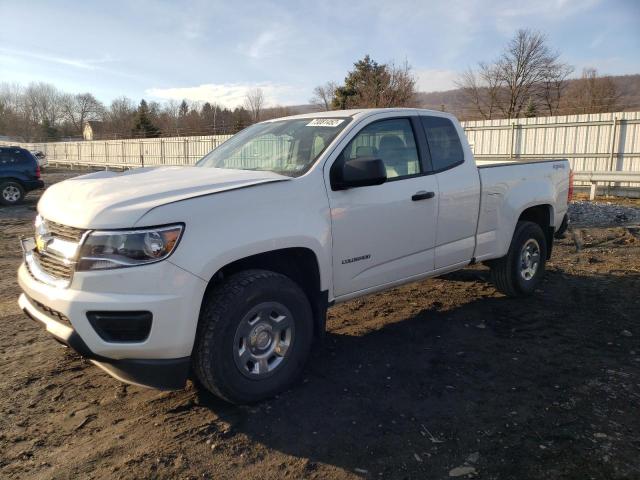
359,172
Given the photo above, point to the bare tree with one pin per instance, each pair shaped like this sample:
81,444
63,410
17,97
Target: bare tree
171,115
254,102
119,117
43,104
81,108
481,89
11,121
526,70
521,67
401,87
323,95
592,93
552,86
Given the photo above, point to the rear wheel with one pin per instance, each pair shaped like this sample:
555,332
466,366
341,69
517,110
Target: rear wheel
521,269
11,193
254,336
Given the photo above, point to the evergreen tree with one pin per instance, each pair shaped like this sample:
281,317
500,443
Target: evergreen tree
143,126
371,85
184,109
49,131
531,110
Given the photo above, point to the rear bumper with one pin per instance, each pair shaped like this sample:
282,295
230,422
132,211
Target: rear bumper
32,184
162,374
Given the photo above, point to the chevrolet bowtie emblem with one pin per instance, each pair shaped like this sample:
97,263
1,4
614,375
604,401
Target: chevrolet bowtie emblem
43,238
42,242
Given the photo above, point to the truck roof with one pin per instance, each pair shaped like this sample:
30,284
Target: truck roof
358,113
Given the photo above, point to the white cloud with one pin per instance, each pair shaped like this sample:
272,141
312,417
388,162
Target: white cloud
268,43
260,47
432,80
88,64
229,95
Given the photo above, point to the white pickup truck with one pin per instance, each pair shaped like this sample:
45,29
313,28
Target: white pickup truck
223,272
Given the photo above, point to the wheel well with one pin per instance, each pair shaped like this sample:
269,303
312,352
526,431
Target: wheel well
540,214
11,179
299,264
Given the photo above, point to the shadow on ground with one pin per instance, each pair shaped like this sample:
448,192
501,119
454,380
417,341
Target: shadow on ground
514,388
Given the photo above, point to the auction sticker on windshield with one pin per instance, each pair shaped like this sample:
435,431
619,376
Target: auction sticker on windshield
325,122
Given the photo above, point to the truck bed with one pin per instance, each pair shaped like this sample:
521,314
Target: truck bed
504,191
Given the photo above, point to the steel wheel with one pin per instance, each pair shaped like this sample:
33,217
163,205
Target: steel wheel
529,259
11,193
263,339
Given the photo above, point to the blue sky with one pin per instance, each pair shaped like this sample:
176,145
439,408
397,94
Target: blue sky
215,51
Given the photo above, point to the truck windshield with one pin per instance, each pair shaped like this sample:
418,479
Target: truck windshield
287,147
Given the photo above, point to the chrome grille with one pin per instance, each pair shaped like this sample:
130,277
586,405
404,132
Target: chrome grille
65,232
53,266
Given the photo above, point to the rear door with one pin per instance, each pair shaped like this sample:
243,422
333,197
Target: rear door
13,164
384,233
459,187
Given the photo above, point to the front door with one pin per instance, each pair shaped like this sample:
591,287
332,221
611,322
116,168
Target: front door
384,233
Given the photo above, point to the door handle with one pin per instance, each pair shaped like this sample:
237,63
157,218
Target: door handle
422,195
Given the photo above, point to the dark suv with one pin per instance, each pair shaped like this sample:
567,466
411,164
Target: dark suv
19,174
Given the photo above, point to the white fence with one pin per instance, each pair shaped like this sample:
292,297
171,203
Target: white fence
128,153
595,142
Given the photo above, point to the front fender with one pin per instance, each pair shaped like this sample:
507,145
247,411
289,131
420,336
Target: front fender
229,226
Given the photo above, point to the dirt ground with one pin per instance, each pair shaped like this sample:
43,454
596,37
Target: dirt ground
436,379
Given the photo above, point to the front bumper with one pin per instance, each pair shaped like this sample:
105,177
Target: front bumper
163,374
171,294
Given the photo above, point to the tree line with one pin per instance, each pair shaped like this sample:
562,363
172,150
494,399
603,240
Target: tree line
40,111
527,79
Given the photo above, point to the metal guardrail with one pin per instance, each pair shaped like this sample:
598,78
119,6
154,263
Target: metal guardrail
605,177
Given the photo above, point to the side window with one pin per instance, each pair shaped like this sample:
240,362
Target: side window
26,157
444,143
391,141
22,157
8,157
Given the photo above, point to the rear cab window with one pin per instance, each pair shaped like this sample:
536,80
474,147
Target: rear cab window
444,143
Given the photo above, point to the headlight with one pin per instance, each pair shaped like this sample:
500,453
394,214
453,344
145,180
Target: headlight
127,248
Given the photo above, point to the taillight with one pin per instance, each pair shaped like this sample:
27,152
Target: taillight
570,194
37,170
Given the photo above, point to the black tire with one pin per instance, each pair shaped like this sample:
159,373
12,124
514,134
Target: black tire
224,310
11,193
506,272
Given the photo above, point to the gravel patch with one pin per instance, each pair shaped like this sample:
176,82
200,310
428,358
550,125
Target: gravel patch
602,214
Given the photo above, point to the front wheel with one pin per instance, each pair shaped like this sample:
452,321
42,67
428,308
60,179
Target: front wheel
521,269
254,336
11,193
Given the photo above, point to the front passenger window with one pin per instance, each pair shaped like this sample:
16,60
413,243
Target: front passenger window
391,141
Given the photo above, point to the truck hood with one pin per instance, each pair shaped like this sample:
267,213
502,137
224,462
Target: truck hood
118,200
